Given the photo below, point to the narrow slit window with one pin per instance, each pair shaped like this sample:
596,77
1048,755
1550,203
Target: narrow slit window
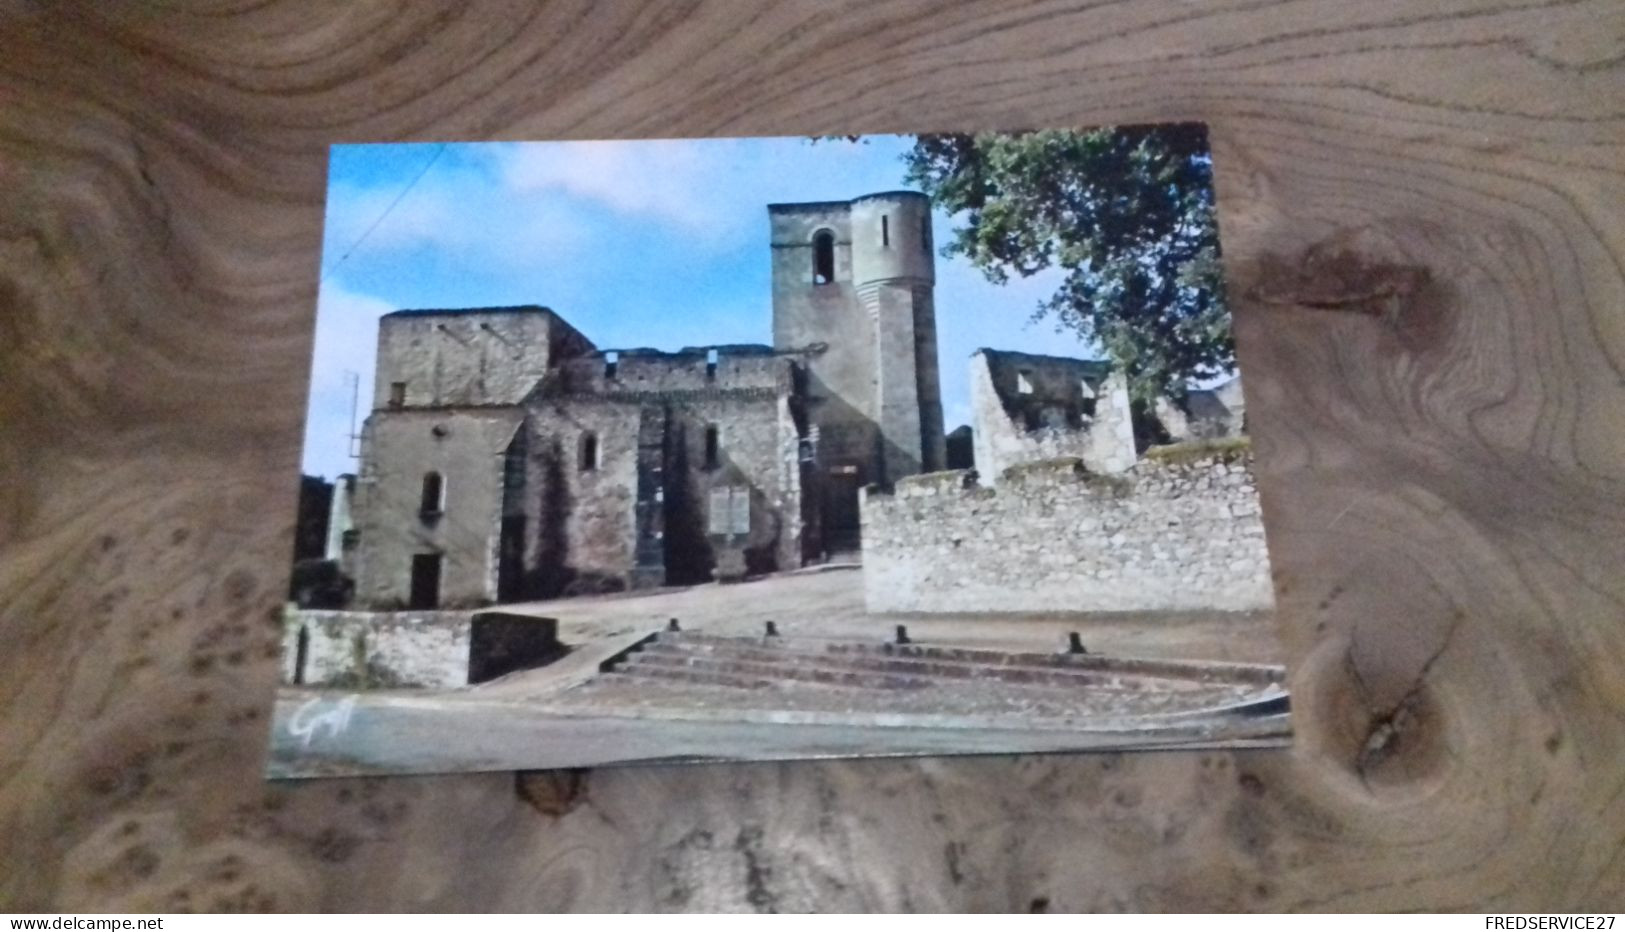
301,655
711,358
823,257
513,467
587,454
712,447
925,234
885,230
433,499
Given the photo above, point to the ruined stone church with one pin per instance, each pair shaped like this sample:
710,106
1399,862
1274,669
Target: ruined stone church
508,457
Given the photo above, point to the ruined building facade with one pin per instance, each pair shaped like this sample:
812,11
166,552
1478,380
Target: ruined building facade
1028,407
508,457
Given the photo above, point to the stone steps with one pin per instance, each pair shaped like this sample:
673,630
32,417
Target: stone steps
865,674
714,674
1207,672
1013,666
767,658
763,676
779,669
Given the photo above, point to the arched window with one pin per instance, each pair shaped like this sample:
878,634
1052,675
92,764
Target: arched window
587,453
434,494
823,257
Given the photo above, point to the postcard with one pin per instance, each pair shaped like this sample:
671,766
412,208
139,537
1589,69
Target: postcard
771,448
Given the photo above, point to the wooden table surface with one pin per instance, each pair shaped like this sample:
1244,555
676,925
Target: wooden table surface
1423,215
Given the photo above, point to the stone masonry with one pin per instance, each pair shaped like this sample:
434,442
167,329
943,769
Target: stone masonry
857,278
431,649
1169,534
1030,407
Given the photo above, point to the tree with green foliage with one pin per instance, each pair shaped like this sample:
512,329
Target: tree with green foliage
1126,213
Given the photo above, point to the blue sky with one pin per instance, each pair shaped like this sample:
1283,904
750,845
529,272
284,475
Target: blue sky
656,243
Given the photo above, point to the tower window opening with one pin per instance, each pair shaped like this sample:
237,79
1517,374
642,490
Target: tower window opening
513,467
712,449
925,234
612,359
885,230
433,500
823,257
1024,383
711,364
397,394
587,452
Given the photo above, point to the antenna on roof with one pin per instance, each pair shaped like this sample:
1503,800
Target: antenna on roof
352,448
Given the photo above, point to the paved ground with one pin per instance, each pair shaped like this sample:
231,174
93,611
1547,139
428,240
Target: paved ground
829,603
405,734
548,718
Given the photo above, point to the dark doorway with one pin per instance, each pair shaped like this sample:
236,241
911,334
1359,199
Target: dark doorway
841,532
301,655
425,580
686,551
511,559
587,452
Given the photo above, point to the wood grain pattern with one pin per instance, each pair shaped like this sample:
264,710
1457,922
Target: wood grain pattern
1423,212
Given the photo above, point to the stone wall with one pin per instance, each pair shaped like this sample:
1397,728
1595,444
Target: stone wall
580,516
1208,413
473,356
1029,407
642,374
399,448
648,500
1166,535
397,650
751,450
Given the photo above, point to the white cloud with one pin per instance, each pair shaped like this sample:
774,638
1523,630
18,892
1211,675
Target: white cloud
452,212
506,205
712,191
668,179
551,223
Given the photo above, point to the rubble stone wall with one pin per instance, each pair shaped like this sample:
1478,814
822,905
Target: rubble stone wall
396,650
1053,417
1166,535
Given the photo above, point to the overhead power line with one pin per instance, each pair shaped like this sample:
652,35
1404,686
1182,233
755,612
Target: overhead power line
387,210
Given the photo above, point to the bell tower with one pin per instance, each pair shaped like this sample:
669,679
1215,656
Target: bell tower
858,277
